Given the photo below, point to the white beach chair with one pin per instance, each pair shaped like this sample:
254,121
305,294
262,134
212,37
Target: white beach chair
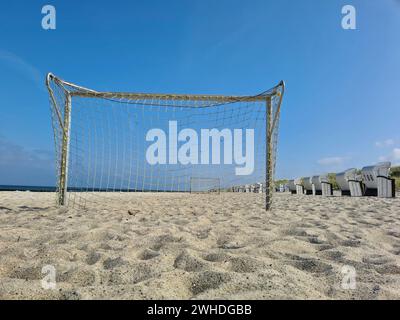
307,185
350,183
299,186
292,187
316,185
326,186
377,182
386,185
286,187
370,181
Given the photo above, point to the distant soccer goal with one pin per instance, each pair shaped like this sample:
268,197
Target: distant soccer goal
115,142
204,185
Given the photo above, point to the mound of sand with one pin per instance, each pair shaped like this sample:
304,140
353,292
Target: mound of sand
186,246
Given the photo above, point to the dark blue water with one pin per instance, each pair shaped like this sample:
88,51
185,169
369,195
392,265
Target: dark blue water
53,189
27,188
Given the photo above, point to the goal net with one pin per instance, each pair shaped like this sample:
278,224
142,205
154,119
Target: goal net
204,185
109,144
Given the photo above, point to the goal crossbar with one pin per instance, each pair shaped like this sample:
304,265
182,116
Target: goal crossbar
80,91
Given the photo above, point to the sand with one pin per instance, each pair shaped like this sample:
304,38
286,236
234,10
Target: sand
186,246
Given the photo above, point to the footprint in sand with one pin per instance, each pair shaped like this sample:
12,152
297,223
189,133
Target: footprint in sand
299,232
393,233
147,254
324,247
92,258
232,245
179,222
163,240
216,257
131,274
5,209
315,240
334,255
311,265
376,259
207,280
390,269
227,243
110,263
78,277
350,243
27,273
244,265
188,262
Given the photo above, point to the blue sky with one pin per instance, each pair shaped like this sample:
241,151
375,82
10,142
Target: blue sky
341,107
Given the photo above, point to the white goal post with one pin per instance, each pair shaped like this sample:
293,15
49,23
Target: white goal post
141,142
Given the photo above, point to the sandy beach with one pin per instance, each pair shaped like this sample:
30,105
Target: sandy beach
188,246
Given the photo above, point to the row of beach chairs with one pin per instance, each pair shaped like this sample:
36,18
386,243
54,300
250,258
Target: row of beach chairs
372,181
255,188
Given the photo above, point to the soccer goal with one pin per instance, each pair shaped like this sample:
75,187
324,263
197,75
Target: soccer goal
115,142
